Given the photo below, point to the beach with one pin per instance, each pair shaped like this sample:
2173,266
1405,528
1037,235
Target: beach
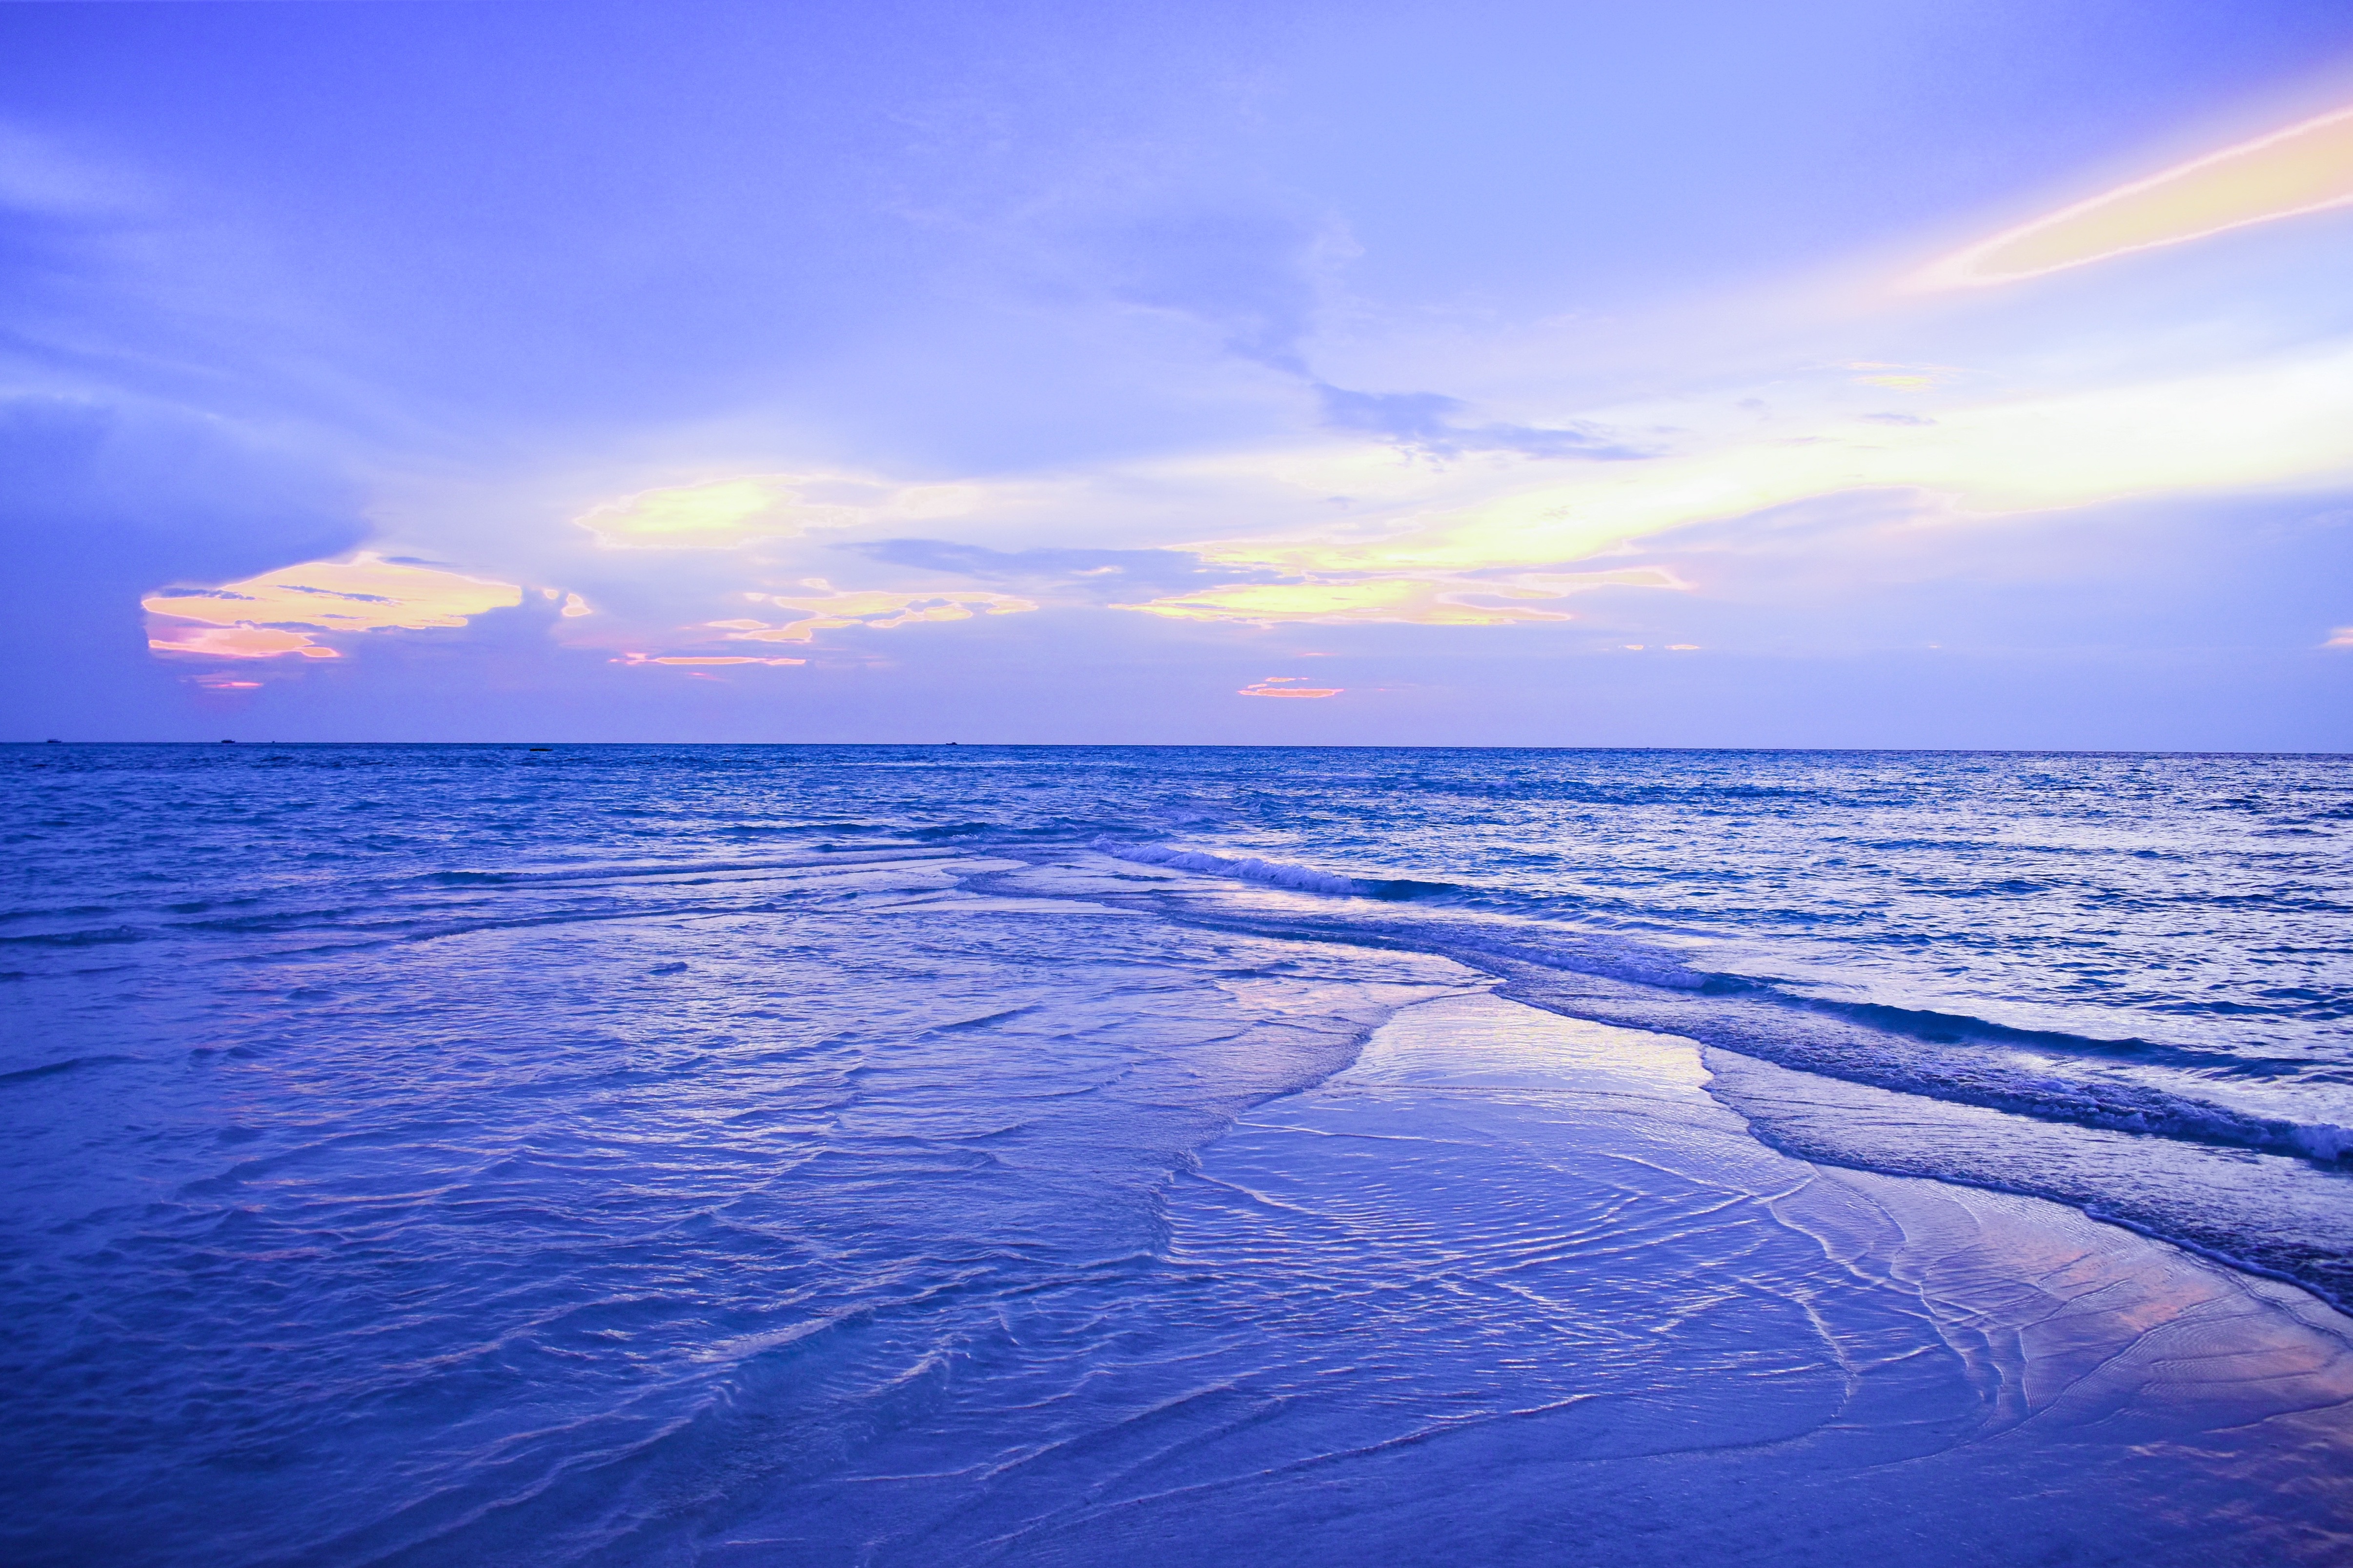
889,1196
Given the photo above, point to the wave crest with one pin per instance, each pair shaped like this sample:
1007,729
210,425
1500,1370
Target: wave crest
1276,874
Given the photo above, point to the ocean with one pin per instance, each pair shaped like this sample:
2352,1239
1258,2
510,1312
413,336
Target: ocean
870,1154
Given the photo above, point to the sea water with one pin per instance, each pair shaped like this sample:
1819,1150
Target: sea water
944,1154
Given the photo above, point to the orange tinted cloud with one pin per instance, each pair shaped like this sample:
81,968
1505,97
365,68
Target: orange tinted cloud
239,642
2306,168
1286,686
281,612
1434,600
1419,602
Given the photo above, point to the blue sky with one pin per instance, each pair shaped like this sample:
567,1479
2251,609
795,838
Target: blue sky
1686,375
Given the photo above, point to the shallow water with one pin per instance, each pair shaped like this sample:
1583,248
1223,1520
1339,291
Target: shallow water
838,1154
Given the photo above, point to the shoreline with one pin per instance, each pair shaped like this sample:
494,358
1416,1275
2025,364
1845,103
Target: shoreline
1510,1279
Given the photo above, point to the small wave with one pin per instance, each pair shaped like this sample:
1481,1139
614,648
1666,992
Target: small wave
94,937
1859,1045
1276,874
626,872
71,1063
72,911
802,829
2322,1140
1633,984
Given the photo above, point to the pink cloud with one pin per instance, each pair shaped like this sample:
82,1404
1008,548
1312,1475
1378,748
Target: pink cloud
701,658
1284,686
240,642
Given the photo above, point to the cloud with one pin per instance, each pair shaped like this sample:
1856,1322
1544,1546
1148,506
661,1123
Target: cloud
2306,168
724,514
1417,601
2275,421
1255,276
1248,272
1400,416
239,642
701,659
281,612
1899,378
1096,576
876,609
1421,420
2341,637
1286,686
40,174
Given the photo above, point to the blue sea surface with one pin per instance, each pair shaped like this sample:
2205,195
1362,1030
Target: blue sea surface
742,1154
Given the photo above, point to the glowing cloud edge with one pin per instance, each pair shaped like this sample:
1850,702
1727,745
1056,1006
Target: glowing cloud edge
1958,270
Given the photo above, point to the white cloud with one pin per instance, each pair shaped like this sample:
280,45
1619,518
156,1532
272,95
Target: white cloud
725,514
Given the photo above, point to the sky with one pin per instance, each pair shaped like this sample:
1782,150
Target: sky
1909,372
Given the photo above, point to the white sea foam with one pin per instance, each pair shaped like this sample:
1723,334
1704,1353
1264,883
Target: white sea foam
1267,873
2326,1140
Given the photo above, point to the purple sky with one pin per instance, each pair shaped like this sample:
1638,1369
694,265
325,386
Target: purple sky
1887,373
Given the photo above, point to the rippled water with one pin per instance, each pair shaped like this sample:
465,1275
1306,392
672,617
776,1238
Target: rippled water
485,1154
